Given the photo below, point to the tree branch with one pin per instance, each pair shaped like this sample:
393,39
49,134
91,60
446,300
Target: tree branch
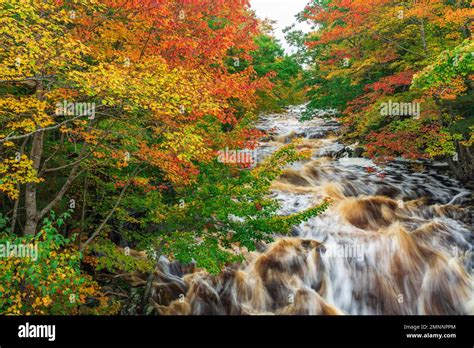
114,208
17,137
74,174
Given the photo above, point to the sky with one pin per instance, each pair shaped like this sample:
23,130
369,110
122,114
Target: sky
283,11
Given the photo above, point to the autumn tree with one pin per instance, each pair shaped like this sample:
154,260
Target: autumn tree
112,114
158,66
373,49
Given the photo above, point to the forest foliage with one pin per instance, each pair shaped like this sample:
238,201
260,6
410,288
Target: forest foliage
112,114
414,57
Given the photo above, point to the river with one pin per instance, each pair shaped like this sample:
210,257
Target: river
396,240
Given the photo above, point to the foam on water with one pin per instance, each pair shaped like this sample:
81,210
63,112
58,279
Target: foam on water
394,241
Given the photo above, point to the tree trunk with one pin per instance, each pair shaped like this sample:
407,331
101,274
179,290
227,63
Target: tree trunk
423,36
15,211
463,168
30,191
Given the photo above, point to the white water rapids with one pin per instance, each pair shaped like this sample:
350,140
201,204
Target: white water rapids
394,241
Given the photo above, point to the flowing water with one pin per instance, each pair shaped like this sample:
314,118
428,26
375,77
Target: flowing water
394,241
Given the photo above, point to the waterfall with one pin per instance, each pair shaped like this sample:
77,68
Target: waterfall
393,241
